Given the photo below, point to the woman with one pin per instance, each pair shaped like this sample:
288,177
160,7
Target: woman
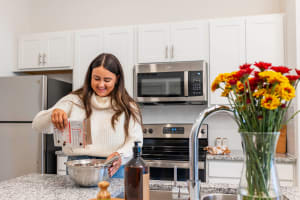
115,118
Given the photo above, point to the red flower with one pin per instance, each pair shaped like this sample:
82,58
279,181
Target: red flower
232,81
245,66
248,101
281,69
256,74
293,77
260,117
262,65
297,71
253,81
243,72
283,106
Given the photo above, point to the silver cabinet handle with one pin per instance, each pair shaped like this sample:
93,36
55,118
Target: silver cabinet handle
166,53
172,51
39,59
44,59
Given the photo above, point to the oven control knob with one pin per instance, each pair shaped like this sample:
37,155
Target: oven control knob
144,130
150,130
203,131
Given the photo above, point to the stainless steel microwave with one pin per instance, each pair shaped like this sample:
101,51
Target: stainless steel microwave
171,82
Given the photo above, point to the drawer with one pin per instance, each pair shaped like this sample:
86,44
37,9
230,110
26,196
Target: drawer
285,171
229,169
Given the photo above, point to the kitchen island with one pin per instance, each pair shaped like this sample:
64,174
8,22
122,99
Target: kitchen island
56,187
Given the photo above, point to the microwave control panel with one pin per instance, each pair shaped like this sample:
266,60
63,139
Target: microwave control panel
195,83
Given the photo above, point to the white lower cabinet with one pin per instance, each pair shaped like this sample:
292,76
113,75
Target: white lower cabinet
61,167
224,171
221,171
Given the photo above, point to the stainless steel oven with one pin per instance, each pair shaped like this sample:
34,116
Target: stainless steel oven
171,82
166,151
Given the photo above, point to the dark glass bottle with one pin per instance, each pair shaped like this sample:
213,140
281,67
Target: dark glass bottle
136,177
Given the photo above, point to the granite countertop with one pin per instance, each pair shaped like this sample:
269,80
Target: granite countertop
51,187
58,187
237,155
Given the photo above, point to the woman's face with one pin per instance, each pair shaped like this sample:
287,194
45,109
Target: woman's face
103,81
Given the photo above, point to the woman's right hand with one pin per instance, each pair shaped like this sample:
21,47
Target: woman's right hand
59,118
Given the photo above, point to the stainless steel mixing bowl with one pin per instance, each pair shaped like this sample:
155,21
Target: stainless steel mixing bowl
88,172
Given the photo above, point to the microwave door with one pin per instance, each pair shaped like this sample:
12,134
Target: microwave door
162,84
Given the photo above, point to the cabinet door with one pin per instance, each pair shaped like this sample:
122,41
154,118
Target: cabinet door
153,43
58,50
30,51
88,45
189,41
227,50
264,39
119,42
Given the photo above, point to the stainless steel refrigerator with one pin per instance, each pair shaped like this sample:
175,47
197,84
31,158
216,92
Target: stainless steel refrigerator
23,150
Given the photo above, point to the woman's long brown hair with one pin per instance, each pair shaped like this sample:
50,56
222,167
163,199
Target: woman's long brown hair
123,102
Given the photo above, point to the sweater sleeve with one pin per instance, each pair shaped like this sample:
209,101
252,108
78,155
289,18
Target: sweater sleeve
42,120
134,134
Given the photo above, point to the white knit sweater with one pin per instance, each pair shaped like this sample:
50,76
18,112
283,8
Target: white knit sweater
105,139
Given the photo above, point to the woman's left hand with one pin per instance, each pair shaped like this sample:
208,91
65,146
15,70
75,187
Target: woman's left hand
116,164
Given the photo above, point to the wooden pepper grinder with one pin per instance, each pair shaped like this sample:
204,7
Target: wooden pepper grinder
103,194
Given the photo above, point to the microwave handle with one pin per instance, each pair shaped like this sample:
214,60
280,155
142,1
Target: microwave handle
186,83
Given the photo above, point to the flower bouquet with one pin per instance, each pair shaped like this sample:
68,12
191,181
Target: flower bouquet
260,96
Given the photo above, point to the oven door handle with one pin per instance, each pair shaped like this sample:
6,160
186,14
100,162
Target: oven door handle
172,164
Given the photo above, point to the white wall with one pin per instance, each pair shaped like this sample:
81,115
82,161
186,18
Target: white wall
14,19
53,15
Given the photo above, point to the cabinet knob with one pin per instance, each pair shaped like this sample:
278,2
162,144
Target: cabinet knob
40,59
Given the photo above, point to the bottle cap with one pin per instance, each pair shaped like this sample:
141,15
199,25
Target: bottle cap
137,149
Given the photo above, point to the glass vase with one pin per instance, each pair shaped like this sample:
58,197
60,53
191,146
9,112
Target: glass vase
259,179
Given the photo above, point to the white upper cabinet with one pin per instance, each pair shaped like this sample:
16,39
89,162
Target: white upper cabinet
189,41
235,41
264,39
153,43
30,52
173,42
46,50
119,42
227,50
91,43
88,45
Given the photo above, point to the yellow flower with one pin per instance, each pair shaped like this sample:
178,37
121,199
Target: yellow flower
270,102
273,77
285,91
216,83
225,92
219,79
259,93
239,86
